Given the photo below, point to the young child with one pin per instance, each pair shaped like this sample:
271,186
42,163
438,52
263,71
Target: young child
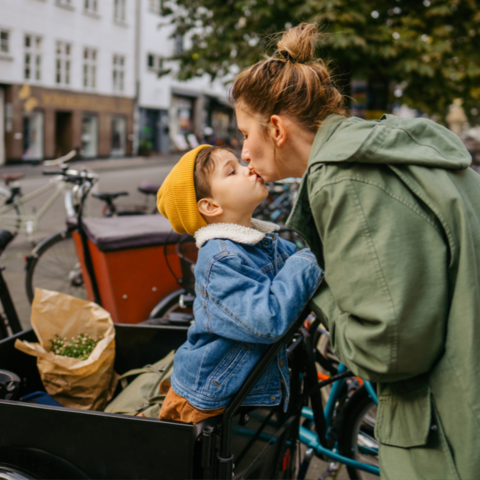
250,286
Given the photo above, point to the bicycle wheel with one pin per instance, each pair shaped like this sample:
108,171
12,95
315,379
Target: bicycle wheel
53,265
10,220
357,438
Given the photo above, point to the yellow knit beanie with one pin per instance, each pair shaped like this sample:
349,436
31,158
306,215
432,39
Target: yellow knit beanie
176,198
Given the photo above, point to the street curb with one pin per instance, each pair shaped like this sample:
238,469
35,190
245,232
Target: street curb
97,165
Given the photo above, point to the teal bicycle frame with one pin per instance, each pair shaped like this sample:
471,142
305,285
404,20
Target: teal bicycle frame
310,439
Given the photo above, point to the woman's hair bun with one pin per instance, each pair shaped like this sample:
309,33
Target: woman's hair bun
299,43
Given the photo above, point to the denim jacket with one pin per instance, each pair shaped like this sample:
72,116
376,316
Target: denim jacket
250,284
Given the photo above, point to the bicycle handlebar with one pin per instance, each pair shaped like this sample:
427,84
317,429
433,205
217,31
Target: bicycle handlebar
72,176
60,160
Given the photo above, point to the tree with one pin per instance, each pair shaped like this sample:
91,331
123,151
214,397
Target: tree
429,48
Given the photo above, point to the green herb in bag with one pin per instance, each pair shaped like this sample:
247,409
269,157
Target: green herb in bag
77,347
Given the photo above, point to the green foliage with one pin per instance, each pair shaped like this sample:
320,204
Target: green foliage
430,47
77,347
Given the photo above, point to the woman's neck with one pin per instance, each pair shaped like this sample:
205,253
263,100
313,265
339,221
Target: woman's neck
293,156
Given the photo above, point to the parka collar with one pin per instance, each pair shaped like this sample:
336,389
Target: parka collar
234,232
326,130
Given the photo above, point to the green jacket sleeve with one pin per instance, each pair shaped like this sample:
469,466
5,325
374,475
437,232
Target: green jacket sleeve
385,295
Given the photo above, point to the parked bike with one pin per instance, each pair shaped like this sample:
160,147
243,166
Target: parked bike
12,201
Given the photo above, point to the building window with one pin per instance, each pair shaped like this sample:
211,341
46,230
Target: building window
118,73
91,6
33,58
119,10
63,63
178,44
154,62
4,41
89,68
64,3
155,6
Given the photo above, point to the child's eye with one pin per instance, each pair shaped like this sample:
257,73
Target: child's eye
232,172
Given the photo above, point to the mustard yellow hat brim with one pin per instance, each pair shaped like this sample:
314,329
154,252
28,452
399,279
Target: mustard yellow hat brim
176,198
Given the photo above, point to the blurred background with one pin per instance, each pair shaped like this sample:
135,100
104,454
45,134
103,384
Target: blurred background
126,78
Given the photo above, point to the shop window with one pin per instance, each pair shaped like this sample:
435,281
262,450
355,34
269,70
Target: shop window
90,136
91,6
119,128
154,62
33,136
118,73
32,58
155,6
89,68
4,41
185,113
63,63
119,10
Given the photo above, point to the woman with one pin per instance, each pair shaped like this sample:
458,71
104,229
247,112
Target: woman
391,211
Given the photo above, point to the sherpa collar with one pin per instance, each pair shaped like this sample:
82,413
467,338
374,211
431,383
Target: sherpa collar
234,232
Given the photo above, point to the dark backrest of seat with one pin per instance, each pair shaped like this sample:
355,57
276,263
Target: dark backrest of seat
122,233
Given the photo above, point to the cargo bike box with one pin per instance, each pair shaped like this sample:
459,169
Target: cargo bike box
45,442
135,263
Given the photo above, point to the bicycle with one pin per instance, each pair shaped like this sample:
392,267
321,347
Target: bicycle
110,209
347,424
12,200
53,263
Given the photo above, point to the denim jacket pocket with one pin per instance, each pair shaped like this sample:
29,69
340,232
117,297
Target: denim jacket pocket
230,362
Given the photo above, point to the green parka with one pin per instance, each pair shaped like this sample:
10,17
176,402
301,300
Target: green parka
392,213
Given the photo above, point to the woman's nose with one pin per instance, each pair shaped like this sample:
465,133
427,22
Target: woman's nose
245,155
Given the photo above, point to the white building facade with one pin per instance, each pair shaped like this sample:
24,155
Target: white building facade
84,74
66,77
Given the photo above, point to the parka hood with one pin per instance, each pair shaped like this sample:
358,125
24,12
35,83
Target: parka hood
390,140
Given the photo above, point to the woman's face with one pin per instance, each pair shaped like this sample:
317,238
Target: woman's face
258,148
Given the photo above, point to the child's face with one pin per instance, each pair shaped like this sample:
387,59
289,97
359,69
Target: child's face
234,187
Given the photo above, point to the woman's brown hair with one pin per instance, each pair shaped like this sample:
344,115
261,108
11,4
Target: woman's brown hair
291,82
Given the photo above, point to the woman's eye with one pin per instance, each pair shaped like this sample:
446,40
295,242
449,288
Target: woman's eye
245,137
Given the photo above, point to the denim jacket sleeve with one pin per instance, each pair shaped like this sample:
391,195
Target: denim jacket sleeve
244,304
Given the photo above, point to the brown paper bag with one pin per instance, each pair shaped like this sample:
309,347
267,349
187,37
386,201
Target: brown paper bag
85,384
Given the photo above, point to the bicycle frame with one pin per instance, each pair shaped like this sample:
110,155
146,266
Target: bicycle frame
29,223
310,439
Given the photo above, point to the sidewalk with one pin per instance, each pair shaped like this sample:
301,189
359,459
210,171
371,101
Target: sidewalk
97,165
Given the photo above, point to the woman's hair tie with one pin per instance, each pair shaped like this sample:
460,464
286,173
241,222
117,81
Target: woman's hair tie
288,57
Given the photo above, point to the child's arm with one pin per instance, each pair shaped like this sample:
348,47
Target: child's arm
243,304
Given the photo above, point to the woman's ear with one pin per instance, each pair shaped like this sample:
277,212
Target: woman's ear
278,129
209,208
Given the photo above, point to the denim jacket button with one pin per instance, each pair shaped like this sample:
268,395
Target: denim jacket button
272,399
281,363
266,242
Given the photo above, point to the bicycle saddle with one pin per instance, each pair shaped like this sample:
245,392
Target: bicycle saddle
148,188
5,238
109,196
11,177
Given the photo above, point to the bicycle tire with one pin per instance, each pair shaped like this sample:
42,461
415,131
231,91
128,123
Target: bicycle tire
53,265
14,224
359,422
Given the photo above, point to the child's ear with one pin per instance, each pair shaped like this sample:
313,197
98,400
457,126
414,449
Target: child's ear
209,208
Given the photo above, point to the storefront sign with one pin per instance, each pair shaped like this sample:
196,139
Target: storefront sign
88,103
